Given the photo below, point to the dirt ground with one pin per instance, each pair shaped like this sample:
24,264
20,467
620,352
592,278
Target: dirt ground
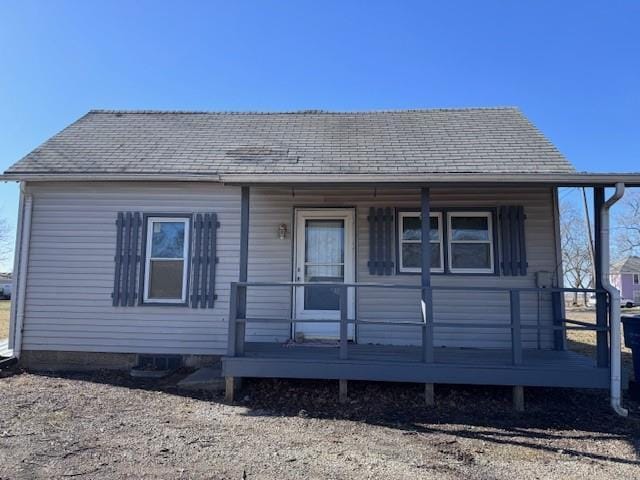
5,305
106,425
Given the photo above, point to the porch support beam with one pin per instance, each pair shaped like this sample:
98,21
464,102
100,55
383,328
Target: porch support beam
429,395
425,277
231,385
343,392
602,349
518,398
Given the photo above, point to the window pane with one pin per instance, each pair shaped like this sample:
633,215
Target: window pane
165,279
325,241
322,298
412,255
167,240
470,255
469,228
324,273
412,228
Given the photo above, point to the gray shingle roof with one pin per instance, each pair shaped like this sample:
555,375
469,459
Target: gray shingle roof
473,140
628,265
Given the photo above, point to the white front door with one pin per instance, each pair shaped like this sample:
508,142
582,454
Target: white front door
324,252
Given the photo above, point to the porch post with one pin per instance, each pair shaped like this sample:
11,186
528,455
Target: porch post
238,297
602,348
244,261
426,293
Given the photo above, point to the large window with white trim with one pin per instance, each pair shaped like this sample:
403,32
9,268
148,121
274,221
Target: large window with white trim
461,242
470,242
166,260
410,238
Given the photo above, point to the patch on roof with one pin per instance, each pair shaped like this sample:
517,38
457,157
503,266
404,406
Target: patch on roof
251,153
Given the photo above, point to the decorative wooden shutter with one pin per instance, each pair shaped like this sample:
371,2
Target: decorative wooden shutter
204,260
380,238
127,259
512,240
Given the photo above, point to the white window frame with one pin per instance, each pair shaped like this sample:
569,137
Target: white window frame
490,241
401,216
636,278
185,259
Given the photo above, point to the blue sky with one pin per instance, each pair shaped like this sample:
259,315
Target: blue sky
572,67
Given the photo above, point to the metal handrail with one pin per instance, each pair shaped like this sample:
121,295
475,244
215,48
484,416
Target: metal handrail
238,318
418,287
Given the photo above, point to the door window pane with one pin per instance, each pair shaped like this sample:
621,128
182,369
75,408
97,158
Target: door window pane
324,262
321,298
324,241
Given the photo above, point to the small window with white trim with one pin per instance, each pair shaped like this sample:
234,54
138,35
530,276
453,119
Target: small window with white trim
410,239
636,279
166,266
470,246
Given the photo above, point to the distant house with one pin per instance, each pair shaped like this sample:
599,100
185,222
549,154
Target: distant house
625,276
5,285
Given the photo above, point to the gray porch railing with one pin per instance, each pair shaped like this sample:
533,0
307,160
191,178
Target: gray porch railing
238,318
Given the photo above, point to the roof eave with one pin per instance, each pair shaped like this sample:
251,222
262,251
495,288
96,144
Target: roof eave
557,179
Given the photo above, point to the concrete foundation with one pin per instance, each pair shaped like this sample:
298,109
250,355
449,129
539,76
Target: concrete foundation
86,361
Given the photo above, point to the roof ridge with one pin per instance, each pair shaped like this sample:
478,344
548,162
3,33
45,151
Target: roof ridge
300,112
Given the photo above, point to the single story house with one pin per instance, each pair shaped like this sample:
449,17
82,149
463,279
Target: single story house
625,276
293,245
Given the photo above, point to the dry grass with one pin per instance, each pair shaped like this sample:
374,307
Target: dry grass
5,306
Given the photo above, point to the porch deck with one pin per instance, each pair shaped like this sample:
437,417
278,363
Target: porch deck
551,368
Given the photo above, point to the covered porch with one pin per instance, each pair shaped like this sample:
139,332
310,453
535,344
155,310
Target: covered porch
519,362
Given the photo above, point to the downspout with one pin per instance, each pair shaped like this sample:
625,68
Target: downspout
25,236
614,303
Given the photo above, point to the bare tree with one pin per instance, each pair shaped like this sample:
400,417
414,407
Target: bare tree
6,241
627,226
576,257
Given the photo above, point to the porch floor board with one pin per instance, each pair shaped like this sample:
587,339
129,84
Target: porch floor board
404,364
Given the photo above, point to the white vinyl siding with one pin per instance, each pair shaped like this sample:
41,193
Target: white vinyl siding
270,259
71,269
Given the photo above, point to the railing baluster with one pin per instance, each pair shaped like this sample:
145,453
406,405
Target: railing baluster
344,315
516,333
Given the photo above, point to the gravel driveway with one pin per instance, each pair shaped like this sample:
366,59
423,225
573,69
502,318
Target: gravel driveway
107,425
